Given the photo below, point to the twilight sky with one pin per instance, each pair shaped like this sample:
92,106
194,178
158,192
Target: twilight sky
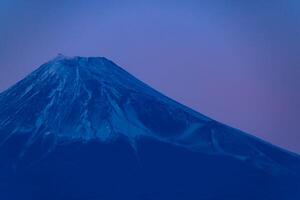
235,61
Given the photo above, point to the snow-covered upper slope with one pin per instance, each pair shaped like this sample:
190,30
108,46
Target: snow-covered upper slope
79,98
88,98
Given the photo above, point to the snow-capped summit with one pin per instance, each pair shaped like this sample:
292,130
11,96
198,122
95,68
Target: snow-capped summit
85,98
87,118
88,98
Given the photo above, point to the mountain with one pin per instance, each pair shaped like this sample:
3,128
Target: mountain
82,128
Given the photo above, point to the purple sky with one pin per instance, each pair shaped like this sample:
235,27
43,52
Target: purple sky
235,61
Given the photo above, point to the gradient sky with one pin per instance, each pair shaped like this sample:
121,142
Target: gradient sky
235,61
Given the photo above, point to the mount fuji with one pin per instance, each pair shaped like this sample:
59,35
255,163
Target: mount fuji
82,128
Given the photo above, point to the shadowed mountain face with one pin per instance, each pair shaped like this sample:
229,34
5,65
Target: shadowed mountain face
84,129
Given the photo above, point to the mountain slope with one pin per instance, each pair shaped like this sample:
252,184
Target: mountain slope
83,128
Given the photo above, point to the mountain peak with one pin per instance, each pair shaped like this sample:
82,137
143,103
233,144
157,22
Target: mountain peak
61,61
90,98
61,56
77,100
77,124
66,68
